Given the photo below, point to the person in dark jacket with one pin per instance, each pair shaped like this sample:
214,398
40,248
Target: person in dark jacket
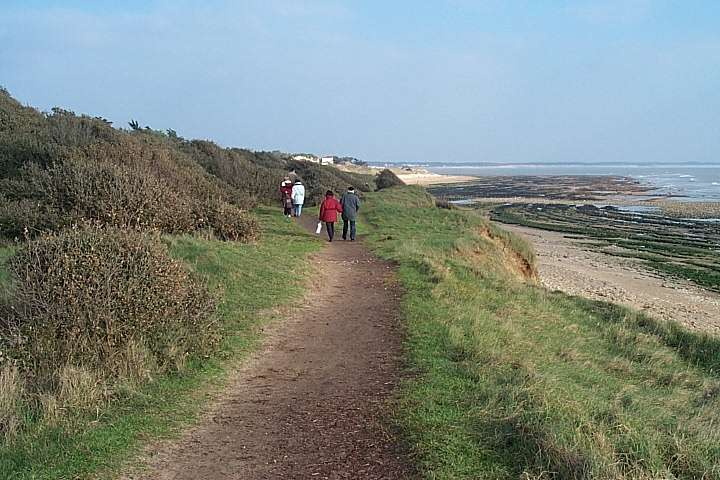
329,209
286,196
350,207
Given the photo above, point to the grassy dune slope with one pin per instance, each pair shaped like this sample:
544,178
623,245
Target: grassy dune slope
245,277
512,381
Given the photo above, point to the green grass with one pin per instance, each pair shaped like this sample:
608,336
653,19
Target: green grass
512,381
248,280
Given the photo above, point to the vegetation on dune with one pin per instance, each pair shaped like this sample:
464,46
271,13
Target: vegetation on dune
259,173
98,323
98,436
513,381
66,312
61,169
386,179
90,313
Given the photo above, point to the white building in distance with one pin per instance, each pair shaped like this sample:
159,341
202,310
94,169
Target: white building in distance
306,158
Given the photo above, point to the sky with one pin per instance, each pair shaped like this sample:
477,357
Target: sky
404,81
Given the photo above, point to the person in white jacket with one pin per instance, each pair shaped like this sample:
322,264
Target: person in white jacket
298,197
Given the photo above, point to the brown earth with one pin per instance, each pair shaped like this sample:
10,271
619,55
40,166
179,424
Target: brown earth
565,264
313,402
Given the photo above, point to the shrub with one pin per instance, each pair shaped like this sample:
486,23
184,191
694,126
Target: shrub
103,194
79,190
237,169
86,297
387,179
444,203
62,169
26,218
226,221
22,136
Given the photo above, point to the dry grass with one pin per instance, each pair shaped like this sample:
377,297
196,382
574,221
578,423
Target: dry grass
12,389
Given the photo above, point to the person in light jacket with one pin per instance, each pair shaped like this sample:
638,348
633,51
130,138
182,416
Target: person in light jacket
329,209
298,197
350,207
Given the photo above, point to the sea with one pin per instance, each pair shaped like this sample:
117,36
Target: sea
689,181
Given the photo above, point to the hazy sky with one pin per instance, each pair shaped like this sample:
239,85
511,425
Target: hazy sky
444,80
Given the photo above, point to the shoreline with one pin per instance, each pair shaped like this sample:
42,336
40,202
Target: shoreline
627,272
597,190
429,178
566,264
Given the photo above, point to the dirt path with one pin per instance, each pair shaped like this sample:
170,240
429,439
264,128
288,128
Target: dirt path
310,403
565,265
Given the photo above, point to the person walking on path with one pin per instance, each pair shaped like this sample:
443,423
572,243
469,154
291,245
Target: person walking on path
286,196
298,197
350,207
329,209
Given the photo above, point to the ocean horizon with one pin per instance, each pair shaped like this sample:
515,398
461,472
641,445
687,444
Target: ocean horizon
695,181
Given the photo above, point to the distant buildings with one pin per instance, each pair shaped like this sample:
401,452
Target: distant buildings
328,159
306,158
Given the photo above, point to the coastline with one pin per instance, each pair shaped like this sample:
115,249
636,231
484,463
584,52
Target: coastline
410,175
632,269
572,266
429,178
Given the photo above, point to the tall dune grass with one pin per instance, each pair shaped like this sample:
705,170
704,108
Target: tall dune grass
513,381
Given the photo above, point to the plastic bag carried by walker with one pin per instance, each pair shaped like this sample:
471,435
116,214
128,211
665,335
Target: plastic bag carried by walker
319,228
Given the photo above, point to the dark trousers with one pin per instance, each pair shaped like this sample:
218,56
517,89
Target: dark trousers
330,227
347,221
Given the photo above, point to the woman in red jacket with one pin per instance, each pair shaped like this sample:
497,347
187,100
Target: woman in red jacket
329,210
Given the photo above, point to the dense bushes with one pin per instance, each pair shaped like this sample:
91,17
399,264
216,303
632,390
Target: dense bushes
387,179
22,136
226,221
110,301
258,174
23,218
62,169
79,190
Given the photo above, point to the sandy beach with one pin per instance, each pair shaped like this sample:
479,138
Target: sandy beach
565,265
428,178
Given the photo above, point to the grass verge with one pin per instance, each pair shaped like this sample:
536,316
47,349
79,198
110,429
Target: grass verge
513,381
246,277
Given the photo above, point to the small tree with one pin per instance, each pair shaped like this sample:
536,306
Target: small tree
386,179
